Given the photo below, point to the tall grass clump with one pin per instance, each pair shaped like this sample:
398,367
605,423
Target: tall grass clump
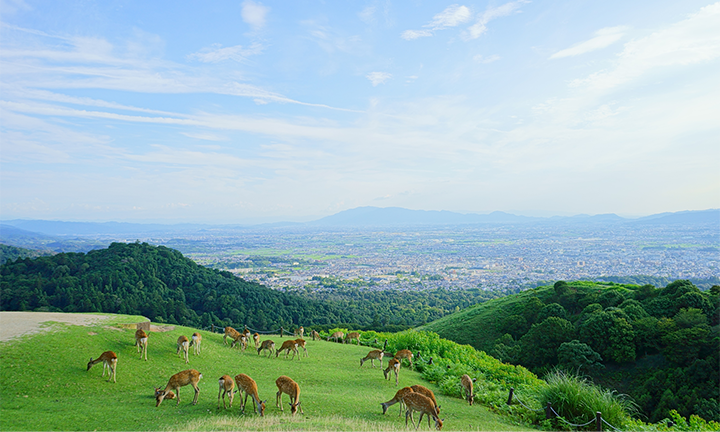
577,400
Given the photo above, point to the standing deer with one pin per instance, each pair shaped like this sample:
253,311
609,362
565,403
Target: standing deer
141,342
227,385
229,331
417,388
256,339
353,336
315,335
109,361
243,342
291,388
195,342
299,332
372,356
183,344
405,354
249,386
180,379
467,385
287,346
301,344
424,405
393,365
399,395
267,345
337,336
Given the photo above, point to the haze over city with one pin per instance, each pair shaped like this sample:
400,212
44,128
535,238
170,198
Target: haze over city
264,111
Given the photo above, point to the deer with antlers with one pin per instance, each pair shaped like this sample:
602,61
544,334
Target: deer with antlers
227,385
267,345
393,365
417,388
291,388
180,379
109,361
372,356
287,346
416,402
399,395
141,342
467,386
183,344
195,341
248,386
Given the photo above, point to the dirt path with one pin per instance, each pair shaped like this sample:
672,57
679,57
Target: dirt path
14,324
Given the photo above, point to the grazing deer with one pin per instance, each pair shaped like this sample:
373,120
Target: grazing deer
301,344
424,405
195,342
256,339
337,336
169,395
292,389
232,333
109,361
315,335
405,354
353,336
467,385
243,342
372,356
287,346
141,342
249,386
267,345
227,385
393,365
417,388
399,395
183,344
180,379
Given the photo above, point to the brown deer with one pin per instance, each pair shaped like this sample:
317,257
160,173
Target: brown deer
256,339
141,342
287,346
417,388
299,332
424,405
169,395
467,385
301,344
243,340
195,341
315,335
180,379
337,336
372,356
353,336
267,345
393,365
399,395
109,361
291,388
183,344
227,385
232,333
249,387
405,354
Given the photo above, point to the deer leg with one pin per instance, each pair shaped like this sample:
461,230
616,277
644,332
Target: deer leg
197,393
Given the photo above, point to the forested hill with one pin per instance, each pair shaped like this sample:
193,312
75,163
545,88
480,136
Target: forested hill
659,345
157,282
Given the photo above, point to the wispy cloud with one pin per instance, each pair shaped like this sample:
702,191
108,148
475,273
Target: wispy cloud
254,14
489,59
204,136
452,16
603,38
480,27
414,34
216,53
378,77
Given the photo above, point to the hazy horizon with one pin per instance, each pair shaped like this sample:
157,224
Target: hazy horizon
250,112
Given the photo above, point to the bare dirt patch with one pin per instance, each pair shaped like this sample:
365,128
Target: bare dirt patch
14,324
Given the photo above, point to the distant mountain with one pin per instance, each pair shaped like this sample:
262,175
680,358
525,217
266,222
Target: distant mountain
684,217
380,216
42,242
98,228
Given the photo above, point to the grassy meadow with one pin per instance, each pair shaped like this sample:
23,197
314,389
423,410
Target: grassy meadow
44,385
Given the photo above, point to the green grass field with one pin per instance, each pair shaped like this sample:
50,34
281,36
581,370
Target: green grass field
44,385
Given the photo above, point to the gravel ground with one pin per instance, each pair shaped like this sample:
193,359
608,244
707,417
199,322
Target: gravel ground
14,324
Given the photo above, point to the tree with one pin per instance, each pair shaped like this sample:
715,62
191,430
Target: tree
540,344
575,355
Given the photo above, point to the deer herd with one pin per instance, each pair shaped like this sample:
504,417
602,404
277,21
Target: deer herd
414,399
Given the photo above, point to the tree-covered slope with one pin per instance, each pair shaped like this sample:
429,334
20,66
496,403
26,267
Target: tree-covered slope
156,282
658,345
11,253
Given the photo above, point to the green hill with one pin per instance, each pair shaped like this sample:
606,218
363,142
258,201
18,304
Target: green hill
660,346
44,385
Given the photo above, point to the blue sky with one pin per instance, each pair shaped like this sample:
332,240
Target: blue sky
260,111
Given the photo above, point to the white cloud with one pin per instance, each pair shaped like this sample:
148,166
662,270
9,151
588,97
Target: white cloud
452,16
216,53
476,30
480,59
368,14
378,77
603,38
204,136
254,14
414,34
